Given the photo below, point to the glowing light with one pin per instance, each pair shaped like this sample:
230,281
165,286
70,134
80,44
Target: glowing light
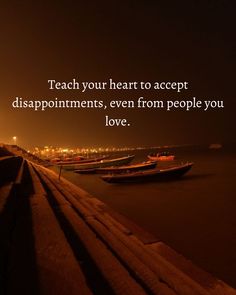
14,139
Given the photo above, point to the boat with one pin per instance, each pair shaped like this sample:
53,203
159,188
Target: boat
70,164
128,168
119,169
60,160
162,156
215,146
149,175
103,163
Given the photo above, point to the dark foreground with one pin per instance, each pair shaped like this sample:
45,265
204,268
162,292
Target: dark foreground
57,239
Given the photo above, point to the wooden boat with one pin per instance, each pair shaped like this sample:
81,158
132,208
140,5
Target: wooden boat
149,175
70,164
128,168
102,163
119,169
215,146
162,156
60,160
86,171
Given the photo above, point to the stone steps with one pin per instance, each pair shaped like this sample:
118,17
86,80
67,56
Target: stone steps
58,239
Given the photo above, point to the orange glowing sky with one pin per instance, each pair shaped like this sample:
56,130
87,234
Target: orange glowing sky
138,40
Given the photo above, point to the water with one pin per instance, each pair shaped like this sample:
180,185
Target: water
195,215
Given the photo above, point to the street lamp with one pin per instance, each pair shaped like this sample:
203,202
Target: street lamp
14,139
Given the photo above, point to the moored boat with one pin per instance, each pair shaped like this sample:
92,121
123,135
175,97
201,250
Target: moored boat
162,156
60,160
149,175
103,163
119,169
71,164
215,146
128,168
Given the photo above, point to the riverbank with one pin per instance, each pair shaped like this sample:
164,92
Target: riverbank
56,238
194,215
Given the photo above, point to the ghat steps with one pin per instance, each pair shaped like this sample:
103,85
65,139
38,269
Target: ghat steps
58,239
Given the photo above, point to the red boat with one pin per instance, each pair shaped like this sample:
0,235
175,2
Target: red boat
162,156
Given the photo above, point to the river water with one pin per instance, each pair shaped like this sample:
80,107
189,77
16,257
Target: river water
195,215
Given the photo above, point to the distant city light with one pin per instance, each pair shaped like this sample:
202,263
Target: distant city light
14,139
51,152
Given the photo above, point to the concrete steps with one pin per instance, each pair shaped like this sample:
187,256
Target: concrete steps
58,239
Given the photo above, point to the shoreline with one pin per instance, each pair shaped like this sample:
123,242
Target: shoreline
158,258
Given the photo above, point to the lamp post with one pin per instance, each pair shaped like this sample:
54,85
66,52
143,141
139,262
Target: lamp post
14,139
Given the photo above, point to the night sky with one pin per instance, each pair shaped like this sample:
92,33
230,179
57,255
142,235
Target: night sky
190,41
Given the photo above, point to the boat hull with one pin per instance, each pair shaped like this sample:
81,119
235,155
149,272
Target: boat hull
70,164
122,169
161,158
149,175
104,163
